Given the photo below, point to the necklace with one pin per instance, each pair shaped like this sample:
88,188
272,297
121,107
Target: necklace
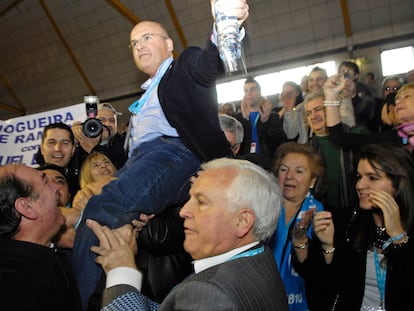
381,237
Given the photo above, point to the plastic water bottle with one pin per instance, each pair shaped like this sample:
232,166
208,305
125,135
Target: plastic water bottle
229,45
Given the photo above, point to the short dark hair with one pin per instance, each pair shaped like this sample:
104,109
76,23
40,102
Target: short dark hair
11,188
349,64
59,125
54,167
251,79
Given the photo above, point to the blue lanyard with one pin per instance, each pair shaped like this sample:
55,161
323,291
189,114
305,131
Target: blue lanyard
249,253
136,106
254,123
380,273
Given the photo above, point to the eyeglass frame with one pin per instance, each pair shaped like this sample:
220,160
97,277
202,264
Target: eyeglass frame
145,38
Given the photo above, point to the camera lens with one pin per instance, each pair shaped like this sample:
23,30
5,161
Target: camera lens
92,128
347,76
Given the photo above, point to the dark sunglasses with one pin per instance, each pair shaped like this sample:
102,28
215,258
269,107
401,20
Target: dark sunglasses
394,88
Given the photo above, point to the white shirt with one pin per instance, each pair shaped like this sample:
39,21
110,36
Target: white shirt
133,277
205,263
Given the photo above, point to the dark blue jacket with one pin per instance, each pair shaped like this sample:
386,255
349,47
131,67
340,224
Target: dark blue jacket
188,98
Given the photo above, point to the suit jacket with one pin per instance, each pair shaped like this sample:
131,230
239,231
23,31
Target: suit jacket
36,277
188,99
161,258
247,283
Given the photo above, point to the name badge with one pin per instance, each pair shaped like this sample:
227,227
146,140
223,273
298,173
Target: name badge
253,147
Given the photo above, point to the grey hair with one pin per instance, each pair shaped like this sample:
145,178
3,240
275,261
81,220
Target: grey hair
312,96
254,188
309,97
232,125
389,78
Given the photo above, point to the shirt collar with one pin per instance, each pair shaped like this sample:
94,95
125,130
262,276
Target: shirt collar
205,263
160,72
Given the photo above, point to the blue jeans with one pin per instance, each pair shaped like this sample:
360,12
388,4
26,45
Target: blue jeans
156,176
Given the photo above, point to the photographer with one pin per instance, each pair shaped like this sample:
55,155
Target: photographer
366,109
109,142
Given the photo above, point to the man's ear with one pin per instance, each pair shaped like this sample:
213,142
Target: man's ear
24,207
244,222
170,45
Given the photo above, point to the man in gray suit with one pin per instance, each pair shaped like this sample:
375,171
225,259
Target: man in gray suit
233,208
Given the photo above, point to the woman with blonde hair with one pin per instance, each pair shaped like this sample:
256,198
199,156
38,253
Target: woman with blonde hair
96,166
97,170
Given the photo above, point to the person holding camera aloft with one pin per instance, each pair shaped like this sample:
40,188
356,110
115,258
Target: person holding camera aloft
366,108
294,123
109,141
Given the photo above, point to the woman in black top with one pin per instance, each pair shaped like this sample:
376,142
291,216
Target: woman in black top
371,266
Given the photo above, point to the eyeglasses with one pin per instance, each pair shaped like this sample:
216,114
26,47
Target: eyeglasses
393,88
145,38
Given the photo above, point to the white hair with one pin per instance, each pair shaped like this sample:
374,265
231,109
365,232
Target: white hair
254,188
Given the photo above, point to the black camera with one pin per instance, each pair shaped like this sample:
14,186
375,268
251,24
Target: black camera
92,127
347,76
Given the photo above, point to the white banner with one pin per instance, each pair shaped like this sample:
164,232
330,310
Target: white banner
21,137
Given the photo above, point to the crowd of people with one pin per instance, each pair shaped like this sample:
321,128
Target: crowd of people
301,206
